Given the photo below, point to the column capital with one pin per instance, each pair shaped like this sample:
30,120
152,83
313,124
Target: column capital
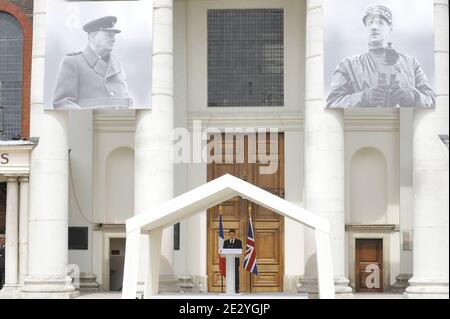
11,178
24,179
159,4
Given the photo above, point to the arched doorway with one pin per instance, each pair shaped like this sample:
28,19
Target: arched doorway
368,208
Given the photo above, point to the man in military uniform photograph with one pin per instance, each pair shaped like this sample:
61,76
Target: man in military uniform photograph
233,242
93,77
380,77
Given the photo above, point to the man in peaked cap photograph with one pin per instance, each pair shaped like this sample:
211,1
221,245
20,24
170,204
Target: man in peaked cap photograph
381,76
93,77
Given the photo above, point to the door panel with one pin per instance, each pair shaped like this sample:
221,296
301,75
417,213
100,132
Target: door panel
268,226
369,265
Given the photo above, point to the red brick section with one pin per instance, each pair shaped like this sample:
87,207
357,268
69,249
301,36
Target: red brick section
24,20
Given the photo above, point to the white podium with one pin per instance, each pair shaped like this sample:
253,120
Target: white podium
231,254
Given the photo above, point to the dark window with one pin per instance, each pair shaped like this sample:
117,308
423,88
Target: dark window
176,236
2,208
245,57
78,238
11,74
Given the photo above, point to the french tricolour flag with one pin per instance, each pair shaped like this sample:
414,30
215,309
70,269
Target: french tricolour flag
222,260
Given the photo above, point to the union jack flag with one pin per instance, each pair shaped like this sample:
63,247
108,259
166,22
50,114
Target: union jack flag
250,264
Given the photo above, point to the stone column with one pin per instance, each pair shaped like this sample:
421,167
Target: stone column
23,228
48,214
431,179
406,200
324,159
153,143
12,238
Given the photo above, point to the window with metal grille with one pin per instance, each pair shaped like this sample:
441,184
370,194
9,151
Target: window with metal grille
11,68
245,57
78,238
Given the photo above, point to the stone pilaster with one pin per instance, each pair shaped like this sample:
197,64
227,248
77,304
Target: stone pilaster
23,227
431,179
153,144
48,213
324,159
12,239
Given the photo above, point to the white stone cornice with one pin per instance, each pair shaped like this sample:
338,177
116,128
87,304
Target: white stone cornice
371,121
17,145
373,228
283,122
114,122
354,121
15,156
363,122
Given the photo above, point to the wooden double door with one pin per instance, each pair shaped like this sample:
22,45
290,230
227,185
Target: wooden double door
268,225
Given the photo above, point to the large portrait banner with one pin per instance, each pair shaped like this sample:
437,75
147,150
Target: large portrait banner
379,53
98,55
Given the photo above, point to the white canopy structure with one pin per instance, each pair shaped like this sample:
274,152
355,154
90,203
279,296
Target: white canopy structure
200,199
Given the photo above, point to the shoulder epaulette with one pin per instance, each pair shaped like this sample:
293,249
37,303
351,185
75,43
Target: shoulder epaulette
73,53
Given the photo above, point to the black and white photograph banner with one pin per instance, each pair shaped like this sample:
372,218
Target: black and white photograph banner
379,53
98,55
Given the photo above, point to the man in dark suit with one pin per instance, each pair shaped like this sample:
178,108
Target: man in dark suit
233,242
2,262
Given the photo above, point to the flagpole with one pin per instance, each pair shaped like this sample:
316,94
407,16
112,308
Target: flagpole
221,276
249,220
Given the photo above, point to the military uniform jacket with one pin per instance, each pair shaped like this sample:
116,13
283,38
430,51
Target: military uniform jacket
355,74
86,81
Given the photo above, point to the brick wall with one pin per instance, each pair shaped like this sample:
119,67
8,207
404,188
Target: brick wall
22,10
25,5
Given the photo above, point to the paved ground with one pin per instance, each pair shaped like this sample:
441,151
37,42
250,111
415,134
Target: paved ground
377,296
115,295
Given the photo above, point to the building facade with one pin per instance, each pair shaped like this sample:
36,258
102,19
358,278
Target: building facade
380,176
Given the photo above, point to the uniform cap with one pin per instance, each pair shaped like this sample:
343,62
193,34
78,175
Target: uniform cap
378,10
102,24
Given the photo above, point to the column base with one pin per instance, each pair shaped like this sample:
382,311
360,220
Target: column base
427,288
291,282
186,283
341,286
48,295
200,283
168,283
9,291
48,287
401,283
140,287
